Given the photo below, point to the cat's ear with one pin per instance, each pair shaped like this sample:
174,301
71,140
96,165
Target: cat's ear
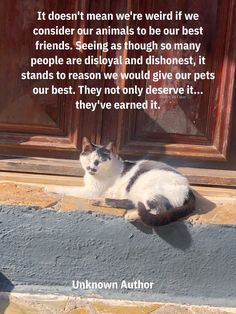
110,147
87,146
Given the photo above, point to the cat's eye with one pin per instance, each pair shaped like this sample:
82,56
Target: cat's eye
96,162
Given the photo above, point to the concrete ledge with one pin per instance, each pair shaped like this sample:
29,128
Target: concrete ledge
188,263
48,240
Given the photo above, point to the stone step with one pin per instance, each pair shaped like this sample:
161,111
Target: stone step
47,241
215,205
16,303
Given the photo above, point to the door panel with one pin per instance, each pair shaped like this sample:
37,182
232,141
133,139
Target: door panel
41,125
33,125
196,126
20,109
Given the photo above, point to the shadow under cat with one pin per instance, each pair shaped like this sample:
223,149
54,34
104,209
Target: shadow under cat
176,233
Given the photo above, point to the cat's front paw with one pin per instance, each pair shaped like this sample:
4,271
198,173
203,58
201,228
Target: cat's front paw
132,215
53,189
98,202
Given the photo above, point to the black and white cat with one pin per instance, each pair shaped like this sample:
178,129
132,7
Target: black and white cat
158,191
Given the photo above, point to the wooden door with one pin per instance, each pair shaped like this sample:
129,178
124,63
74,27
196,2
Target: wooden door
31,125
38,133
196,131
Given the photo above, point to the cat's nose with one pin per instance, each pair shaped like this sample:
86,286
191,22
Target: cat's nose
91,169
96,162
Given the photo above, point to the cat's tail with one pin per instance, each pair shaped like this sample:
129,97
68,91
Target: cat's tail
168,216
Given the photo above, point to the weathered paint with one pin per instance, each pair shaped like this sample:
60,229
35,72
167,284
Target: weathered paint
45,250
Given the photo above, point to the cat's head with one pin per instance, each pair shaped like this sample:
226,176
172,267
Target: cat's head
96,159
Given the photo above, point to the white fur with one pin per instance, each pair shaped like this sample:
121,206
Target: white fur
169,184
108,182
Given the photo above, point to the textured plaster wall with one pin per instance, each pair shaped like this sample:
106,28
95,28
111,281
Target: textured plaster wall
187,263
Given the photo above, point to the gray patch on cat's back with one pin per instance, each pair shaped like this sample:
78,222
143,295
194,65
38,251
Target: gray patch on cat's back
146,166
127,165
143,167
134,178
